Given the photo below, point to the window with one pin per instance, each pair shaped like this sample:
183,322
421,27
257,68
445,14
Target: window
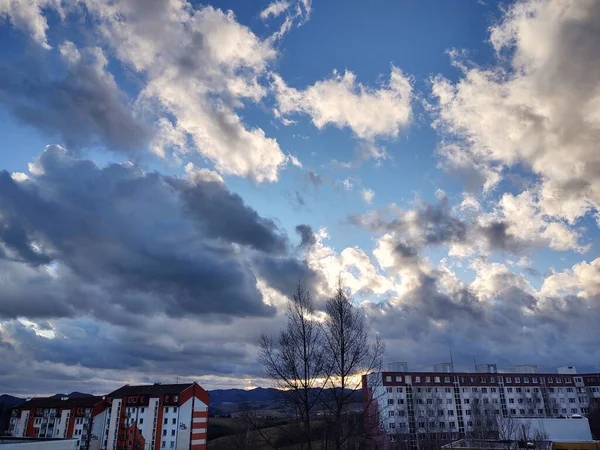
493,390
466,401
390,402
427,379
472,379
484,390
431,424
402,424
540,411
164,432
574,410
437,379
526,380
558,380
167,420
430,401
482,379
536,389
399,390
467,412
569,389
172,444
475,389
439,401
520,400
571,400
513,411
167,409
534,380
401,413
428,390
551,390
465,390
562,400
508,379
440,412
448,391
494,400
419,390
469,423
517,379
163,444
518,390
389,390
141,421
173,432
392,425
452,424
448,401
564,410
578,380
419,401
417,379
446,379
442,424
388,379
401,401
509,390
390,413
398,379
142,411
450,412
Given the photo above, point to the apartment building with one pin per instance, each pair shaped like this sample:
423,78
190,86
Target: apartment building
58,417
155,417
145,417
412,406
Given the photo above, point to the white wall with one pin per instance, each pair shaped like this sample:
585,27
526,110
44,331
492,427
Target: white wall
185,419
113,423
62,444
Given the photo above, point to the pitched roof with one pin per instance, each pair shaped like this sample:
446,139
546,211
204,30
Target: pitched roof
150,390
56,401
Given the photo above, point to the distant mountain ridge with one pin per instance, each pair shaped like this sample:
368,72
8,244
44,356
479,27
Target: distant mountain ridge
217,396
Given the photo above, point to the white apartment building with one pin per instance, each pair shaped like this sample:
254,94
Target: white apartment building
412,405
155,417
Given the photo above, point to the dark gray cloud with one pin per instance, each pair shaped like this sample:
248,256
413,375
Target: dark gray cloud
436,224
84,106
307,235
314,178
146,242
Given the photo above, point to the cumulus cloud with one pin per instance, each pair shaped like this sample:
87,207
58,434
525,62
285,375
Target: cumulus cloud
73,235
344,102
85,107
539,110
198,67
367,195
29,17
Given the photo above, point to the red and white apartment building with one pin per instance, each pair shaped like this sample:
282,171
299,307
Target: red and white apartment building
409,406
145,417
58,417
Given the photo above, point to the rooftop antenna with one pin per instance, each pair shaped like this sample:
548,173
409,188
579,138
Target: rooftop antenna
176,380
475,362
451,360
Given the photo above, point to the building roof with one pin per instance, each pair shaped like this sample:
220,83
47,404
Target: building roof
60,401
150,390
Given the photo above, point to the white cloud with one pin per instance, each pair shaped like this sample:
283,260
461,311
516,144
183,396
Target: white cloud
367,195
342,101
275,9
540,110
201,65
582,280
28,15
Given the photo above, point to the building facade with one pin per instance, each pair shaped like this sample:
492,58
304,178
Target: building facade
145,417
413,406
155,417
58,417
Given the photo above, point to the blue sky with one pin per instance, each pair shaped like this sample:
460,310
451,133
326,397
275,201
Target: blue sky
441,157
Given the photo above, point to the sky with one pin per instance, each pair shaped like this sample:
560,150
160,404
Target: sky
171,170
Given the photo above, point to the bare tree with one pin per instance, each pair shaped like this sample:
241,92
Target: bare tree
349,354
296,360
